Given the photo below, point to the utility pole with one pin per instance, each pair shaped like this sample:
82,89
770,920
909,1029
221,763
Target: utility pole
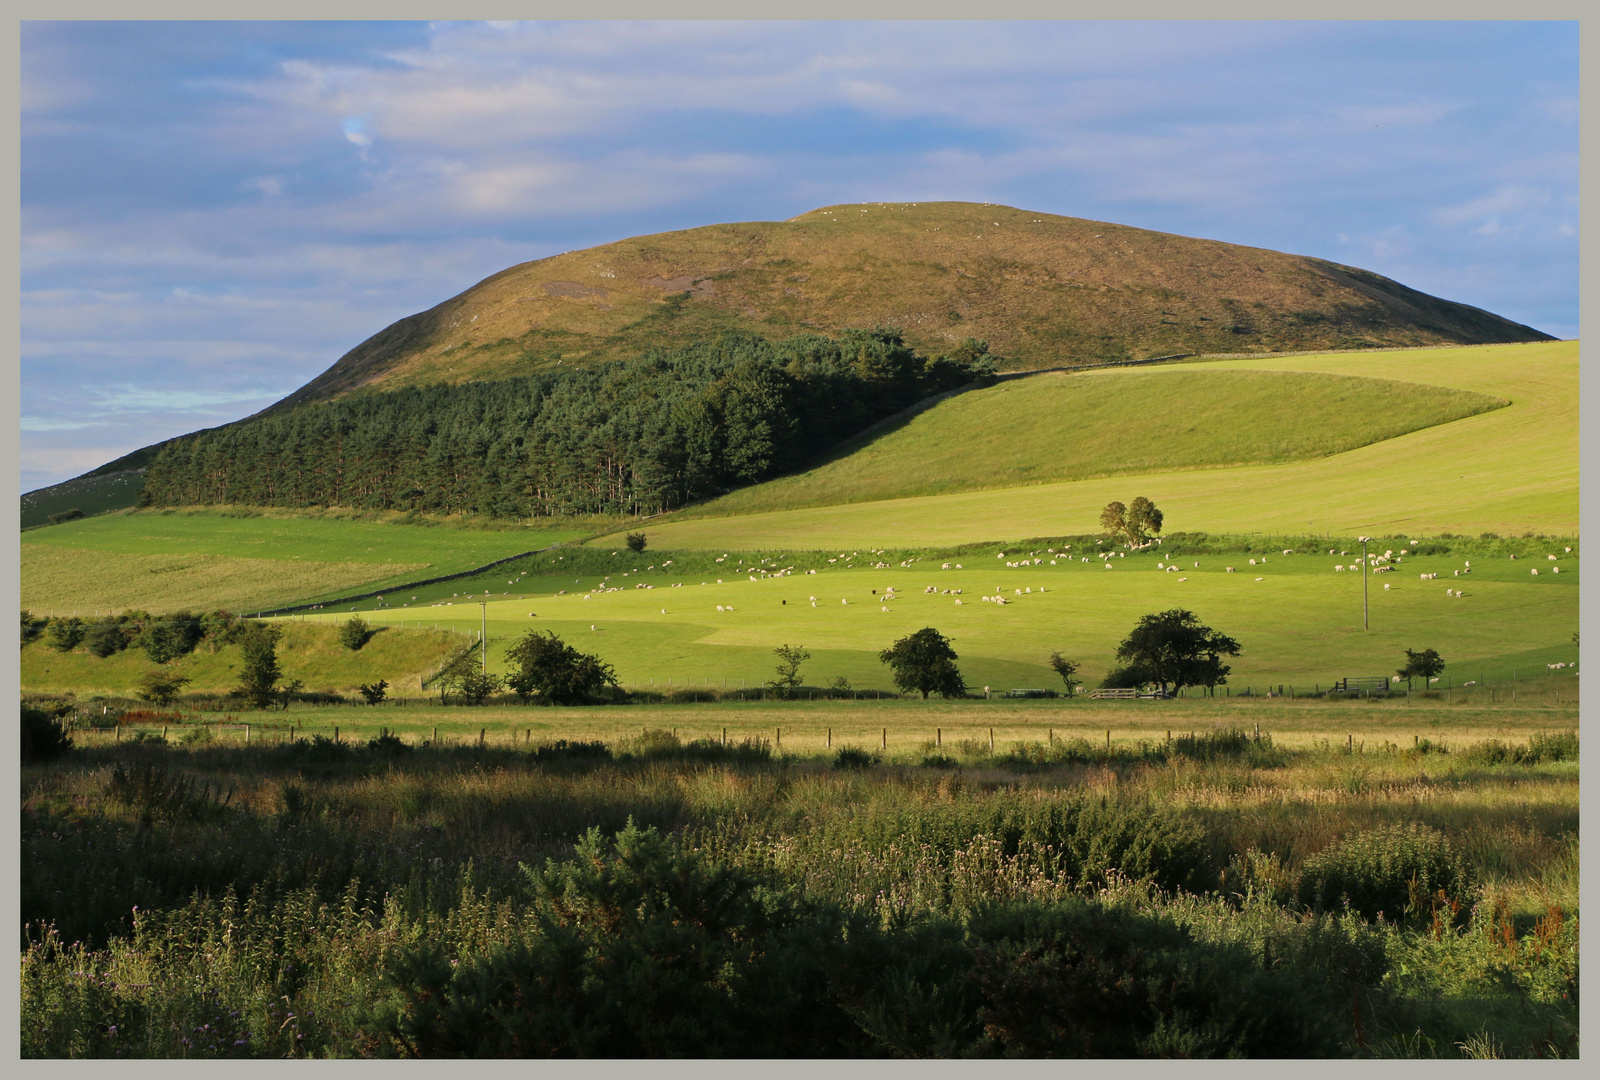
1366,571
483,639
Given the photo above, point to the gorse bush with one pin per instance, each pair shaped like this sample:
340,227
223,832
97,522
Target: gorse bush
1397,871
853,757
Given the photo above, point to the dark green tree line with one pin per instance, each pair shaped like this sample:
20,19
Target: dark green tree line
638,436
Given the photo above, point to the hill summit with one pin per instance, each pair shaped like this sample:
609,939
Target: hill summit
1043,290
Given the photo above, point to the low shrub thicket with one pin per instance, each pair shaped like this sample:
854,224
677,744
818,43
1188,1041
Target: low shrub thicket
1400,872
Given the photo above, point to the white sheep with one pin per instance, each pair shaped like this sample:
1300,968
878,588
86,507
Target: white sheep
1229,569
1183,579
958,603
1252,562
1261,579
1339,569
1386,588
1552,558
1534,571
719,607
1555,570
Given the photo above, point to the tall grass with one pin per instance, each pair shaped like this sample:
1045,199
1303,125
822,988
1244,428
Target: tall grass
274,901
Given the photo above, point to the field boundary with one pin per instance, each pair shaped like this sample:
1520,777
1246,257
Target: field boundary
403,585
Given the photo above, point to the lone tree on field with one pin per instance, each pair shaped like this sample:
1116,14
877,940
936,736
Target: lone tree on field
354,633
1420,665
374,692
548,667
1065,668
1133,522
258,682
635,542
790,657
925,661
1174,649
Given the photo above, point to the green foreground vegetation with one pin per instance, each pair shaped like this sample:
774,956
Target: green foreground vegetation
1219,892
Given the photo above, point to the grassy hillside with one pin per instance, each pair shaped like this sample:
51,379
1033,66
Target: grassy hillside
165,560
1044,290
1510,470
91,493
1055,427
1300,623
308,652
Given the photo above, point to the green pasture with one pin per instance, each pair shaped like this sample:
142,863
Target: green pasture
1059,427
168,560
1300,623
308,652
1510,470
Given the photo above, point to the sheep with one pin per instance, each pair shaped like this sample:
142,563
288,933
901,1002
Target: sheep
1534,571
1252,562
1386,588
1552,558
1183,579
719,607
843,601
663,611
1288,551
1261,579
1339,569
1556,570
958,602
1229,569
1197,564
1569,551
1108,566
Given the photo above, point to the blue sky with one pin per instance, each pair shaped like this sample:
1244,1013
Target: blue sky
212,213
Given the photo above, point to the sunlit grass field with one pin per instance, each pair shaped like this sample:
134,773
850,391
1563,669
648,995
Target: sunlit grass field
1059,427
171,560
1510,470
1300,624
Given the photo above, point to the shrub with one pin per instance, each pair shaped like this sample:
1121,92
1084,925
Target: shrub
562,750
161,687
108,636
1397,870
65,634
169,638
853,757
388,745
42,736
354,633
66,515
32,627
374,693
642,950
635,542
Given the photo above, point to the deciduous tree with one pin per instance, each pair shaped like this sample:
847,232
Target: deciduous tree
1173,649
924,661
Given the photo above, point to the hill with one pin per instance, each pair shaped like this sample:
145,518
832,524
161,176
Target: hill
1122,422
1043,290
1511,470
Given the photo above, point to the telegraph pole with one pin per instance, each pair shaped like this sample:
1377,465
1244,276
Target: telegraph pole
483,639
1366,571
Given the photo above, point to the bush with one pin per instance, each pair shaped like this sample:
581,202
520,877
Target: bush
66,515
562,750
64,635
642,951
43,738
354,633
1397,870
108,636
635,542
387,745
556,672
664,745
853,757
169,638
374,693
